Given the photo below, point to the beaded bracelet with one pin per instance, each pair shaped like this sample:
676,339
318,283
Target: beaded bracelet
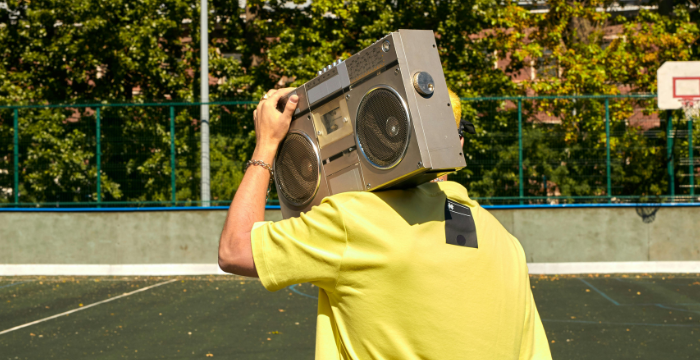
266,166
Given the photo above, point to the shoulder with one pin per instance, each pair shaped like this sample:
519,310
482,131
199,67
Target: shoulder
352,199
366,203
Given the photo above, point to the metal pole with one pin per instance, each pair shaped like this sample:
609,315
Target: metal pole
607,147
15,147
172,155
690,155
520,147
204,82
669,152
98,152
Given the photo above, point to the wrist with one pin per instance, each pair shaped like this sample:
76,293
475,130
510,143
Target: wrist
265,153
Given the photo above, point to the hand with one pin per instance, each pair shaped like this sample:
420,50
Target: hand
271,126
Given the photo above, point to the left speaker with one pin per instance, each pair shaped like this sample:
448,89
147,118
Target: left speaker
298,168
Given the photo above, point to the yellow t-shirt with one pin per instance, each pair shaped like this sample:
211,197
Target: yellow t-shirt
421,273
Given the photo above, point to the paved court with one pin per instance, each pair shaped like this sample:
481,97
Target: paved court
586,317
621,316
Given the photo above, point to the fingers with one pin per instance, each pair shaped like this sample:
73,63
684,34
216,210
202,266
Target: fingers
268,95
279,93
290,107
279,97
273,96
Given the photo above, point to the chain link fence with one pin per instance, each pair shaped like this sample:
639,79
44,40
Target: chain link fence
527,150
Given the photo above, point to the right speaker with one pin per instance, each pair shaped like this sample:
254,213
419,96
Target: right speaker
382,127
382,119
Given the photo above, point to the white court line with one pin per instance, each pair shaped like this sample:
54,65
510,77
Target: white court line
109,269
85,307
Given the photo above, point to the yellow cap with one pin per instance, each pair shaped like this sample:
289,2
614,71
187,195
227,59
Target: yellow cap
456,106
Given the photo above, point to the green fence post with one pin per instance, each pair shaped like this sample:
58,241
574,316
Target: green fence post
690,155
607,147
172,155
544,181
15,149
98,153
520,147
669,152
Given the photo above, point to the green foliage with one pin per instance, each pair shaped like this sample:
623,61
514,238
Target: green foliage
93,51
573,56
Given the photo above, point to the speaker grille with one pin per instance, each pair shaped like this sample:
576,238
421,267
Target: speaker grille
297,169
383,127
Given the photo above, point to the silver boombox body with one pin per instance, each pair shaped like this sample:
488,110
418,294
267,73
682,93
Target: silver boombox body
381,119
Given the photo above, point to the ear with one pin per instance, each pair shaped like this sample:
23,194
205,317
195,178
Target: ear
467,126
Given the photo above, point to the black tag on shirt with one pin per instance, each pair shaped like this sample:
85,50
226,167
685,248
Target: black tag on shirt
459,225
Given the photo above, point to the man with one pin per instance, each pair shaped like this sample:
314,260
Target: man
419,273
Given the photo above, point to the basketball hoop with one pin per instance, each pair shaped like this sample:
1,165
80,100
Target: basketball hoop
678,84
691,108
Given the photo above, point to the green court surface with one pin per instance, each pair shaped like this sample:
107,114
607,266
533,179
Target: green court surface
586,317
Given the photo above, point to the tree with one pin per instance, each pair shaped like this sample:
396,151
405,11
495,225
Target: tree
574,57
91,51
94,51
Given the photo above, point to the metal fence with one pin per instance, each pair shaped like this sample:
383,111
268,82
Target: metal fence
527,150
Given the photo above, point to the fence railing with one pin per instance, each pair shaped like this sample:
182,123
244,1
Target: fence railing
527,150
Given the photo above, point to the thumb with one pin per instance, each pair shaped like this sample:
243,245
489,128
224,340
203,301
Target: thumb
290,107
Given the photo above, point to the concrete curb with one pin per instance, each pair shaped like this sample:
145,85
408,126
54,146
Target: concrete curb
615,267
213,269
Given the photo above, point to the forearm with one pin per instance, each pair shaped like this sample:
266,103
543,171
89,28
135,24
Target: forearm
248,205
247,208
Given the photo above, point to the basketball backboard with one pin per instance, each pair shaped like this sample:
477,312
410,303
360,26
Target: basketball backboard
678,81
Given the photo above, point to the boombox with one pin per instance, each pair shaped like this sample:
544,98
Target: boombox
381,119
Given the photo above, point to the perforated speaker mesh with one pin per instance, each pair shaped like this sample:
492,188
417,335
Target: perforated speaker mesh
383,127
296,169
